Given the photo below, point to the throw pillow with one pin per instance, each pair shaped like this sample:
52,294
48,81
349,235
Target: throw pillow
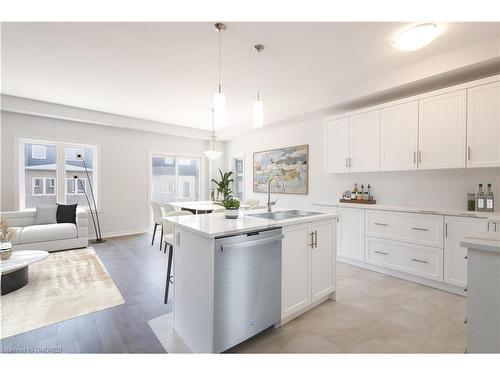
66,213
46,215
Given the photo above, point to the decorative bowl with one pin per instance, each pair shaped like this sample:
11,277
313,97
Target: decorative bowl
5,254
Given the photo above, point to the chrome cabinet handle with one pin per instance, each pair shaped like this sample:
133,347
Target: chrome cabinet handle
421,229
446,229
414,157
350,162
178,239
419,156
346,162
468,152
495,224
312,240
419,260
315,238
381,224
380,252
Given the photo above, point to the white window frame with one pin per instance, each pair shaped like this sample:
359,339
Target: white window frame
175,157
169,187
40,148
60,178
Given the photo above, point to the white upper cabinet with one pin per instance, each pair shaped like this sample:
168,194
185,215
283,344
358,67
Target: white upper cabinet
364,142
337,146
442,126
483,126
398,137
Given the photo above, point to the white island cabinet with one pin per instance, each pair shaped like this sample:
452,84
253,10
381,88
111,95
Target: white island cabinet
234,278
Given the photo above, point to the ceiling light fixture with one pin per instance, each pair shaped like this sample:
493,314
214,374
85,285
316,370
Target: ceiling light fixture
211,153
258,108
417,37
219,97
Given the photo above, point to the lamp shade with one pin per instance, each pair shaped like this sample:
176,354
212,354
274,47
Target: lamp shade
212,154
258,114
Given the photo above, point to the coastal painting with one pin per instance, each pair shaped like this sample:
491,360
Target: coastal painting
289,166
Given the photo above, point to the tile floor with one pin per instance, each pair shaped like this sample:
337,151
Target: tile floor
374,313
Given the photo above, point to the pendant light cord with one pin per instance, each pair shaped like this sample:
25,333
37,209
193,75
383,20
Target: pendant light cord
258,75
220,63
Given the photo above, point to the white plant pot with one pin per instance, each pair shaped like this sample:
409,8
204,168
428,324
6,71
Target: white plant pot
231,213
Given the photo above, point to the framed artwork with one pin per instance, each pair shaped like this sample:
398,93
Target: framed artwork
290,166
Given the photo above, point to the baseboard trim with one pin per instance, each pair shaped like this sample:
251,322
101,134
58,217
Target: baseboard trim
125,233
405,276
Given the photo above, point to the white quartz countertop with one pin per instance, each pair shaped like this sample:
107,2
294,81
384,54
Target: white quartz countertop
486,241
216,225
416,209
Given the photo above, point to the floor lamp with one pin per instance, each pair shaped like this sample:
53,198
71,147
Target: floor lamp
95,214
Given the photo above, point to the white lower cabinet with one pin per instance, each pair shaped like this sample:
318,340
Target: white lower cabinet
308,265
419,260
455,264
351,233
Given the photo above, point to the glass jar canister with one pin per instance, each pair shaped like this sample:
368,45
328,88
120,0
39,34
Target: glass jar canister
471,202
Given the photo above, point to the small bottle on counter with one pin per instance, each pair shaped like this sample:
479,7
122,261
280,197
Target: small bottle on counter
490,200
366,194
480,199
354,193
359,194
471,201
370,198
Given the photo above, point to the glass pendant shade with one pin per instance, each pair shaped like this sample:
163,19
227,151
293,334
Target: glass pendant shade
258,114
212,155
219,110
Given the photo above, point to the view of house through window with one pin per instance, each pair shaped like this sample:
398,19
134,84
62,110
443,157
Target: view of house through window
42,173
237,166
175,178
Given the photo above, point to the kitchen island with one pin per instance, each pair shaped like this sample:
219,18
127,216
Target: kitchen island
235,277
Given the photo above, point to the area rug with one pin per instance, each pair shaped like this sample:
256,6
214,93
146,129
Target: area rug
63,286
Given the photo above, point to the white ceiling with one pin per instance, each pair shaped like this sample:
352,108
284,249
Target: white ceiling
167,72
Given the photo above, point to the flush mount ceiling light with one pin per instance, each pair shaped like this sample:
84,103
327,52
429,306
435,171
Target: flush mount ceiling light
417,37
258,108
219,97
211,153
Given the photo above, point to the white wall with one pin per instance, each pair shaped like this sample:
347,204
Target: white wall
123,160
437,188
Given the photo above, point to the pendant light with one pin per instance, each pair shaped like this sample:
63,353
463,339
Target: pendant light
211,153
258,108
219,97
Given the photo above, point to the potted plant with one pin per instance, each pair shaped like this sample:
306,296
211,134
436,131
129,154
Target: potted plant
5,245
231,205
223,190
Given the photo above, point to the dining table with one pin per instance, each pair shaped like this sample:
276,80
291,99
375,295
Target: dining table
199,207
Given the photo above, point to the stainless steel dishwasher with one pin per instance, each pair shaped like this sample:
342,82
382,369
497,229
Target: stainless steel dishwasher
247,286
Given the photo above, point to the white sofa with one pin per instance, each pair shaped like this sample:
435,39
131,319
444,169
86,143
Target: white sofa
48,237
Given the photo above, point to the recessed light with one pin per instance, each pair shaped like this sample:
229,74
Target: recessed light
417,37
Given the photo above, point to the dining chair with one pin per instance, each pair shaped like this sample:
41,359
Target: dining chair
168,240
257,207
157,215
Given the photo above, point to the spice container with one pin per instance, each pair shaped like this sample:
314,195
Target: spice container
471,202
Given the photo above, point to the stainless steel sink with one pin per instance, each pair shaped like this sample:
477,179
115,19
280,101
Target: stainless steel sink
283,215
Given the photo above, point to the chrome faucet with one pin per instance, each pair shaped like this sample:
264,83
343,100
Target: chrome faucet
269,203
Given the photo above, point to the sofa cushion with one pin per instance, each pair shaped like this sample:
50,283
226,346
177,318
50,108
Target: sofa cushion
47,232
46,215
66,213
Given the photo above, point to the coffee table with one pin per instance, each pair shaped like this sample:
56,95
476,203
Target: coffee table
14,270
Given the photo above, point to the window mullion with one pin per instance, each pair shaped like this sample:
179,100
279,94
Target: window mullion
61,174
176,178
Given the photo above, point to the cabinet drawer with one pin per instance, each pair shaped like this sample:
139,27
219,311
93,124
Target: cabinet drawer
423,261
424,229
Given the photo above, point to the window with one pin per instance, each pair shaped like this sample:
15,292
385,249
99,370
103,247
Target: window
44,164
38,152
238,168
175,178
37,186
50,186
76,186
